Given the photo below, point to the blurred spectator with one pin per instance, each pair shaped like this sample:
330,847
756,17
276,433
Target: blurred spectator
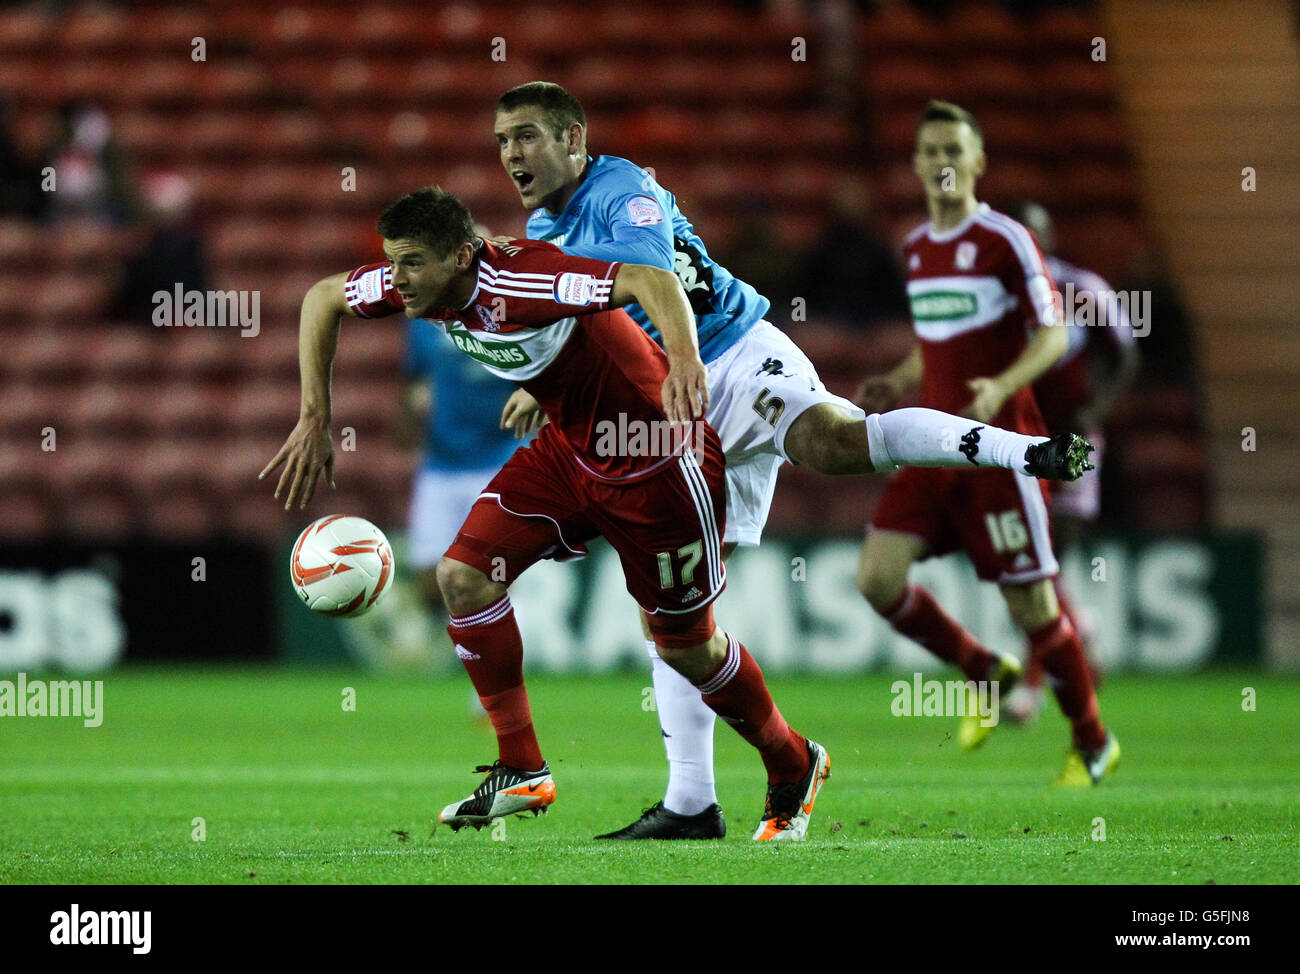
851,273
89,166
170,249
20,193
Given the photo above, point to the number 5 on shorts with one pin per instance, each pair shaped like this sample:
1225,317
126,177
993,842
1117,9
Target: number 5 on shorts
692,553
1006,530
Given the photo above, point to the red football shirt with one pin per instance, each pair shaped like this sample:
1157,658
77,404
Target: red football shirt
1066,387
540,317
977,292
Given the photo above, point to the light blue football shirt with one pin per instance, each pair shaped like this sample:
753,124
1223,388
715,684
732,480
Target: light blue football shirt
620,213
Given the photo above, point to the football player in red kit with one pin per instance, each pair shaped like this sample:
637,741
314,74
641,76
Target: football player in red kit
1078,392
533,315
977,286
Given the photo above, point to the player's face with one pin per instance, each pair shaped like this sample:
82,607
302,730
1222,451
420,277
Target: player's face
425,281
544,169
948,159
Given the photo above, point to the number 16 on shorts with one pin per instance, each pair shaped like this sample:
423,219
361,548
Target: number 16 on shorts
1006,531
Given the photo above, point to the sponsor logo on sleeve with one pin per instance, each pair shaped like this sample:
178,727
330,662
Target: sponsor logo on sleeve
643,211
370,286
575,289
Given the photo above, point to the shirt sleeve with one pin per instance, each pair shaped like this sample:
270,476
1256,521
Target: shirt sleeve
1030,280
370,293
637,223
1115,325
541,285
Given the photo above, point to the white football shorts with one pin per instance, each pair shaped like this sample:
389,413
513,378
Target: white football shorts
757,389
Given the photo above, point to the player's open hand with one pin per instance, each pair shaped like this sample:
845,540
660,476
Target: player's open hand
989,396
877,394
522,414
686,390
306,454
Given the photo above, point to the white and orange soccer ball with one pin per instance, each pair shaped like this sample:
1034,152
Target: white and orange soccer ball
341,566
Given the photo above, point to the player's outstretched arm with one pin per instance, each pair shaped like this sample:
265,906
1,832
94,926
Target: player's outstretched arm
309,452
660,294
990,392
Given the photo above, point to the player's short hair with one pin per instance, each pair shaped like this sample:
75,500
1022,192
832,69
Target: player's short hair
431,216
946,111
559,107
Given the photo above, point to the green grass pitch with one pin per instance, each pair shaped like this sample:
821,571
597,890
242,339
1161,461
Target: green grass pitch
293,788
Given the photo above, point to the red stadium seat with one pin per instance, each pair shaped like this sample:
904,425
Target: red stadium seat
899,29
23,29
29,514
987,28
907,82
125,353
990,82
97,514
262,408
108,408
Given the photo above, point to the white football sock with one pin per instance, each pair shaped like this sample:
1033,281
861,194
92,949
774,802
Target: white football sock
917,437
687,724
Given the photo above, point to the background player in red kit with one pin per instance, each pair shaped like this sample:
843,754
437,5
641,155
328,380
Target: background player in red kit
1077,393
531,314
977,283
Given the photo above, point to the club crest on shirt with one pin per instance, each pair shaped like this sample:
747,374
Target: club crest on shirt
490,322
965,258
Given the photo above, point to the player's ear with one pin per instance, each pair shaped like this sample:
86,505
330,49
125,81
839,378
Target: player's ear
464,255
577,136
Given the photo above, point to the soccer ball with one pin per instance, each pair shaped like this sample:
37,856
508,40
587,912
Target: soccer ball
341,566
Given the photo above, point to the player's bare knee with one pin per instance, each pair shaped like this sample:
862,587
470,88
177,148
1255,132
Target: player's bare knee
697,662
464,588
691,662
1032,606
429,589
882,590
829,440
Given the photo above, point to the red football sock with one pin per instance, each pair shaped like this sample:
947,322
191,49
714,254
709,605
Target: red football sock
1034,675
1086,632
1058,648
489,645
737,693
919,617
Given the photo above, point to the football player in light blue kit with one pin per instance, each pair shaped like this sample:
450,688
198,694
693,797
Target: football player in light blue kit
458,403
766,401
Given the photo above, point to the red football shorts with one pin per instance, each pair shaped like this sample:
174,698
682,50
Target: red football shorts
667,528
998,517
